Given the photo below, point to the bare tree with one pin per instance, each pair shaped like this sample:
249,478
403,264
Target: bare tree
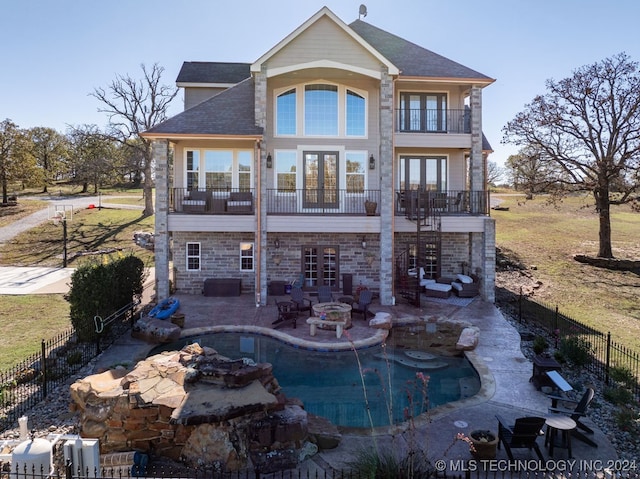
588,125
135,106
494,173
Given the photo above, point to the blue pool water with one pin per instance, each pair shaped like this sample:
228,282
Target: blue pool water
330,384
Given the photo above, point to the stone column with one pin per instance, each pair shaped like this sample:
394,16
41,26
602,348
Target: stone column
483,259
477,173
385,163
160,151
260,111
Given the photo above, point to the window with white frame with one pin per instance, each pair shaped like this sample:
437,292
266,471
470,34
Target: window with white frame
327,110
285,167
219,169
193,256
246,257
193,166
356,163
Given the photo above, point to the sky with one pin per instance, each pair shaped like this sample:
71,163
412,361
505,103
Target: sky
54,53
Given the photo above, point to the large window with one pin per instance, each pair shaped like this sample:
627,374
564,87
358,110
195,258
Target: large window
286,113
356,171
286,171
219,169
423,172
246,256
327,110
321,110
356,112
193,256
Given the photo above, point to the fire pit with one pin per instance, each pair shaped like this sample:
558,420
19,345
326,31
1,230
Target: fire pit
333,312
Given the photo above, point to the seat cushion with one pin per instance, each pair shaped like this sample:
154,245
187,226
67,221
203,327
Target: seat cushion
438,287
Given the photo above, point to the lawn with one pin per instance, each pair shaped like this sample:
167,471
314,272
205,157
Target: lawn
545,237
92,234
25,321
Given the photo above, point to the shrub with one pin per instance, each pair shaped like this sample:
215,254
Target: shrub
576,349
74,357
385,465
618,395
101,289
540,344
622,375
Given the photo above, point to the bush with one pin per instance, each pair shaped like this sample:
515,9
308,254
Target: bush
369,463
101,289
618,395
576,349
622,375
540,344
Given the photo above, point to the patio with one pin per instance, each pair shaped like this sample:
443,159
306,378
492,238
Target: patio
504,371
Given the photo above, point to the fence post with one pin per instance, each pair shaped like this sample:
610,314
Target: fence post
555,319
43,367
608,359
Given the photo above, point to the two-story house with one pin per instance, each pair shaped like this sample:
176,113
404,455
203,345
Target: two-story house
345,155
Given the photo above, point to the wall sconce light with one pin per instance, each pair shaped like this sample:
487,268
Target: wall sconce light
277,259
276,243
269,161
364,243
372,163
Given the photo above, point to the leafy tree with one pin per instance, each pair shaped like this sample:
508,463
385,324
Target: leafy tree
588,125
11,140
135,106
528,173
92,157
49,148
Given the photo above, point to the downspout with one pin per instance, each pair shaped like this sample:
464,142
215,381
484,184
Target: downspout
258,214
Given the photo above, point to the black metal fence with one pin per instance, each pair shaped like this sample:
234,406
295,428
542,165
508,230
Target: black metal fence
622,469
601,353
32,379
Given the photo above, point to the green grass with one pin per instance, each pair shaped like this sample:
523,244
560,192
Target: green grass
548,236
91,231
25,321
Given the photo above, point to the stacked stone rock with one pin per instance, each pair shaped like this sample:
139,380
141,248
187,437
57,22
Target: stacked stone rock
194,406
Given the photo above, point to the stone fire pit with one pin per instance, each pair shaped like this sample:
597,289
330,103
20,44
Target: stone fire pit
333,312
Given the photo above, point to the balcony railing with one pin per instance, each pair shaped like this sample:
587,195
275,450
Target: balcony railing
233,201
452,202
323,202
433,121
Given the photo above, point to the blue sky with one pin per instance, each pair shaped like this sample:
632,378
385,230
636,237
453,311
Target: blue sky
55,52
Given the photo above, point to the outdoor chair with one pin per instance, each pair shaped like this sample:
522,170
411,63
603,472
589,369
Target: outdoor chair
324,294
362,306
287,313
302,303
577,414
523,434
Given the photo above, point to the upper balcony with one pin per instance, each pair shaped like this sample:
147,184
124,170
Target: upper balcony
325,202
434,127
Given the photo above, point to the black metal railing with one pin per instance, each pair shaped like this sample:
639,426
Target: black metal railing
600,352
323,202
32,379
450,202
410,120
227,201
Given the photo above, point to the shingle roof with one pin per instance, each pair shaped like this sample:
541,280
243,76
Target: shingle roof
231,112
411,59
213,72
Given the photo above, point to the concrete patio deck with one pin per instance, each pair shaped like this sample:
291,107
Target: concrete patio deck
504,372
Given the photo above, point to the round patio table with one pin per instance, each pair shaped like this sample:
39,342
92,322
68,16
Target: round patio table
333,311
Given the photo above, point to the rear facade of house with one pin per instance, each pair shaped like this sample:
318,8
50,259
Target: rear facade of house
344,156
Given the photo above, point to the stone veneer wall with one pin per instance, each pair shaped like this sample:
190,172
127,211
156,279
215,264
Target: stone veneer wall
219,258
455,250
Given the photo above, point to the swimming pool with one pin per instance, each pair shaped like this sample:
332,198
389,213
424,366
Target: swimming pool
330,384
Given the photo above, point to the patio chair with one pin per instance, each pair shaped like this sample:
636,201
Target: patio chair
362,306
324,294
302,303
521,435
287,313
577,414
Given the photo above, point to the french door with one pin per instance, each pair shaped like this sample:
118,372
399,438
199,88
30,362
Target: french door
320,266
320,170
423,173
